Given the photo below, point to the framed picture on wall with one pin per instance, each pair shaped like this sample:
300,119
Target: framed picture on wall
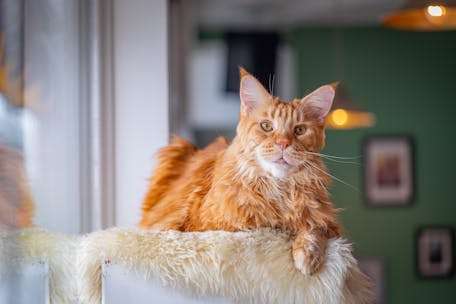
434,252
388,170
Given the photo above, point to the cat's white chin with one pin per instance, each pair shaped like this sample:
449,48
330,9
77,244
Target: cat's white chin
279,168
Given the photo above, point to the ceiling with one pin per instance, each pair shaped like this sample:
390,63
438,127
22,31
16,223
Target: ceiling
290,13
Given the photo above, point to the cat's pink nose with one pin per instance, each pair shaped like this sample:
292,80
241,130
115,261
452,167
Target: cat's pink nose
283,143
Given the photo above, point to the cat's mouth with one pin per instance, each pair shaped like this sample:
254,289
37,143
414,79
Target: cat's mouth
281,161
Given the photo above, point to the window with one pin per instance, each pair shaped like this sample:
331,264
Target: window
94,107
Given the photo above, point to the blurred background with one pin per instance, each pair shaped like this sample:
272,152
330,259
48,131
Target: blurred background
89,90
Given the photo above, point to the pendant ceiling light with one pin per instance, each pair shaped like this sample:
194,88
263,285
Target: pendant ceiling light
424,15
345,115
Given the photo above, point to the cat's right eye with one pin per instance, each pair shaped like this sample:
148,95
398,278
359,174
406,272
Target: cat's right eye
266,125
299,130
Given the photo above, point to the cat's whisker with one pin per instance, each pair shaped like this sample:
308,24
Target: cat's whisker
333,156
333,177
271,84
336,159
273,80
342,162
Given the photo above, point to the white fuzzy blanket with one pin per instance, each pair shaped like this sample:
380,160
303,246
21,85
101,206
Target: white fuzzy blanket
244,267
33,245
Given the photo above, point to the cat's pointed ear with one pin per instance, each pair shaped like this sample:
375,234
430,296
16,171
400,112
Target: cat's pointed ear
319,102
252,93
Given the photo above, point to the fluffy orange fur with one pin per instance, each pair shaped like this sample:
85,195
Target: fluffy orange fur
269,176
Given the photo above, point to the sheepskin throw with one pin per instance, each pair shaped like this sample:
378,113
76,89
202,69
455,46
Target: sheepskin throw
23,247
244,267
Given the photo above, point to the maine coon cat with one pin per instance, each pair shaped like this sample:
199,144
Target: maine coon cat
269,176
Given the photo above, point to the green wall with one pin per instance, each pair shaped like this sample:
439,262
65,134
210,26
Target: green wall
408,79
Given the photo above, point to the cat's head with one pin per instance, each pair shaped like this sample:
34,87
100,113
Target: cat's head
278,134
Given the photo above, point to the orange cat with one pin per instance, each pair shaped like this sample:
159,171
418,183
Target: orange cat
269,176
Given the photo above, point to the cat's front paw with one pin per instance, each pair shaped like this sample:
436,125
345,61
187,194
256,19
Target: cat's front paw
309,255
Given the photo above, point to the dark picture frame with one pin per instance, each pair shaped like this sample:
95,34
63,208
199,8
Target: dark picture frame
434,252
389,170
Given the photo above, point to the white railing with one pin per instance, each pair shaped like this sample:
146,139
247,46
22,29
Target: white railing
122,286
26,284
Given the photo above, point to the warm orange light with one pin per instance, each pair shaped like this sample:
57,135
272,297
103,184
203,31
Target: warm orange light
339,117
425,18
344,120
435,10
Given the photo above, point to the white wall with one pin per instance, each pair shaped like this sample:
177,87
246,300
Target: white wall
209,104
141,98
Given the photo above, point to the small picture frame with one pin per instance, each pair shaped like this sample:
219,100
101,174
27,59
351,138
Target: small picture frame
434,252
389,170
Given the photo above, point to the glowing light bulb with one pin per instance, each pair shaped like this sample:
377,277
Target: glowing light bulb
339,117
436,10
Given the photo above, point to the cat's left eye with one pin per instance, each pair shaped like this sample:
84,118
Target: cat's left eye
266,125
299,130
